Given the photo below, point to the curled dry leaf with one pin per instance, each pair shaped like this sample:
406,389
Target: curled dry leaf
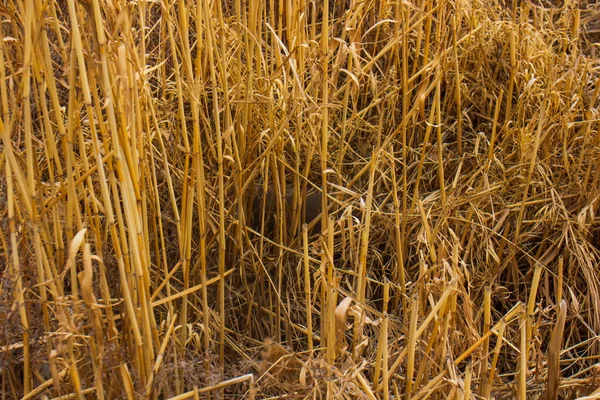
341,311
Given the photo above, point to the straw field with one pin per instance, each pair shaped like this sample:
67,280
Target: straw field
160,160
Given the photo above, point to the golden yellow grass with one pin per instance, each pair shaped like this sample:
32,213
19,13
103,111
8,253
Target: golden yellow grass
134,133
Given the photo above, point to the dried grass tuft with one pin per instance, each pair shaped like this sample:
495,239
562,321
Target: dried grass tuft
453,144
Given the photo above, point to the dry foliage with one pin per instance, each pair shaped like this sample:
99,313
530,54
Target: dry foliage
454,143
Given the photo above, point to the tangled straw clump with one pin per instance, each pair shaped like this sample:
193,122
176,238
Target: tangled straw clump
454,145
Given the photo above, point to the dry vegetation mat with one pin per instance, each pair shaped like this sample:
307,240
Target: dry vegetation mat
161,163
